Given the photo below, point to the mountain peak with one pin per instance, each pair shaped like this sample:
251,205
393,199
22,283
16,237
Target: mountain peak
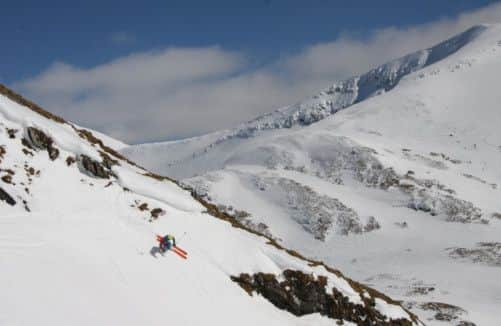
359,88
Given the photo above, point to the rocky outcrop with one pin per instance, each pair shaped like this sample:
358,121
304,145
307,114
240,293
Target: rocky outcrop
303,294
157,212
442,312
4,196
2,152
38,139
487,253
95,168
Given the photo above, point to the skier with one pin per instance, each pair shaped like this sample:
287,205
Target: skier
167,242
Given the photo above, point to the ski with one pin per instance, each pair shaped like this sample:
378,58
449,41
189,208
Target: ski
181,250
180,254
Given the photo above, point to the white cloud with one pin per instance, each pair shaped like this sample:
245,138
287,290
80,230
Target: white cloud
181,92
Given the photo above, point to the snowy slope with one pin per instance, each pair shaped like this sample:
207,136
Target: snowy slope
77,245
401,188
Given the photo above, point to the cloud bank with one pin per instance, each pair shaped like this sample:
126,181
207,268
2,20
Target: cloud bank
181,92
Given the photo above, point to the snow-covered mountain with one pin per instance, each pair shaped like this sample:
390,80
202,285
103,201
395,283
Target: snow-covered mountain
77,244
392,175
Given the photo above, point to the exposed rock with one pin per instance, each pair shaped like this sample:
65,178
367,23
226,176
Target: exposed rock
7,178
316,213
108,162
8,171
4,196
488,253
95,168
428,196
31,171
27,152
245,218
12,133
442,312
157,212
40,140
302,294
470,176
416,289
70,160
143,207
372,224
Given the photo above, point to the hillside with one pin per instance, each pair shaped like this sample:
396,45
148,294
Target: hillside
77,244
392,175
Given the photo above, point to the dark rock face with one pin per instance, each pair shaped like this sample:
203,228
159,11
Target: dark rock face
108,162
12,133
40,140
95,168
70,160
7,178
303,294
156,212
4,196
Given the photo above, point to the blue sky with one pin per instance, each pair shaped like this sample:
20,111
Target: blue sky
36,33
157,70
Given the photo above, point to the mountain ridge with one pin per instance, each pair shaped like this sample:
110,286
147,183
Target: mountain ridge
398,189
83,217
